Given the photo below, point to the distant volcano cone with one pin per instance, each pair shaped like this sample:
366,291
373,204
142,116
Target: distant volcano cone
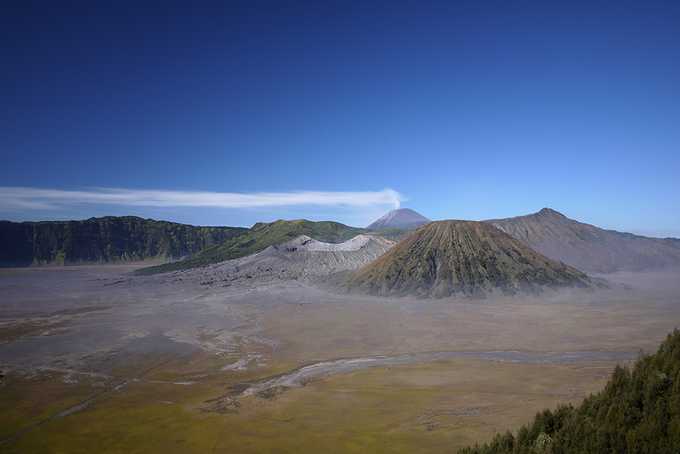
462,257
403,218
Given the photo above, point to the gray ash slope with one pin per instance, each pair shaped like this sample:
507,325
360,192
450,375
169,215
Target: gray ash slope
403,218
468,258
302,258
587,247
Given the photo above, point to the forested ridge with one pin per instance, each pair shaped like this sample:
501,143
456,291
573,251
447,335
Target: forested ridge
637,412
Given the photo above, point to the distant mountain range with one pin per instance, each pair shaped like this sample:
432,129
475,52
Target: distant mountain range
524,253
403,218
446,258
587,247
104,240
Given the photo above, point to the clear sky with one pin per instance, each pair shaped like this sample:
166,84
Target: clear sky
464,109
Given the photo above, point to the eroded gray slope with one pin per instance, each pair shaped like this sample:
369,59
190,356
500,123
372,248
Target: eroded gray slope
587,247
301,258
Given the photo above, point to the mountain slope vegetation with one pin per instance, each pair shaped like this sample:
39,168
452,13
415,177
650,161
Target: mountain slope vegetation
104,240
587,247
637,412
258,238
445,258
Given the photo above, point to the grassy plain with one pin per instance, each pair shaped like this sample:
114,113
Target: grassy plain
154,360
415,408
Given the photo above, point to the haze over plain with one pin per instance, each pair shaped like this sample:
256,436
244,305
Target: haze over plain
343,227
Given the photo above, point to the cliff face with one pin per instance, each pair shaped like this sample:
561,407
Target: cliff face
104,240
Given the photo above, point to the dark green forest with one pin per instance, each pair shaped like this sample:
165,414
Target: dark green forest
637,412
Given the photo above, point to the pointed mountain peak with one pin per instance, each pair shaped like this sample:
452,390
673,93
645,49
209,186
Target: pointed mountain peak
402,218
550,212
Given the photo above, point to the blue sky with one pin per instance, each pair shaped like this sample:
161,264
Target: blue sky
467,110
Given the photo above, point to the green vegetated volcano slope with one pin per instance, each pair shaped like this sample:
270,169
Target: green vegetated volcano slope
637,412
104,240
259,237
444,258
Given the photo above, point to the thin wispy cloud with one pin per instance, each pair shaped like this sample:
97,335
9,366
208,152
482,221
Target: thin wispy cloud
25,198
